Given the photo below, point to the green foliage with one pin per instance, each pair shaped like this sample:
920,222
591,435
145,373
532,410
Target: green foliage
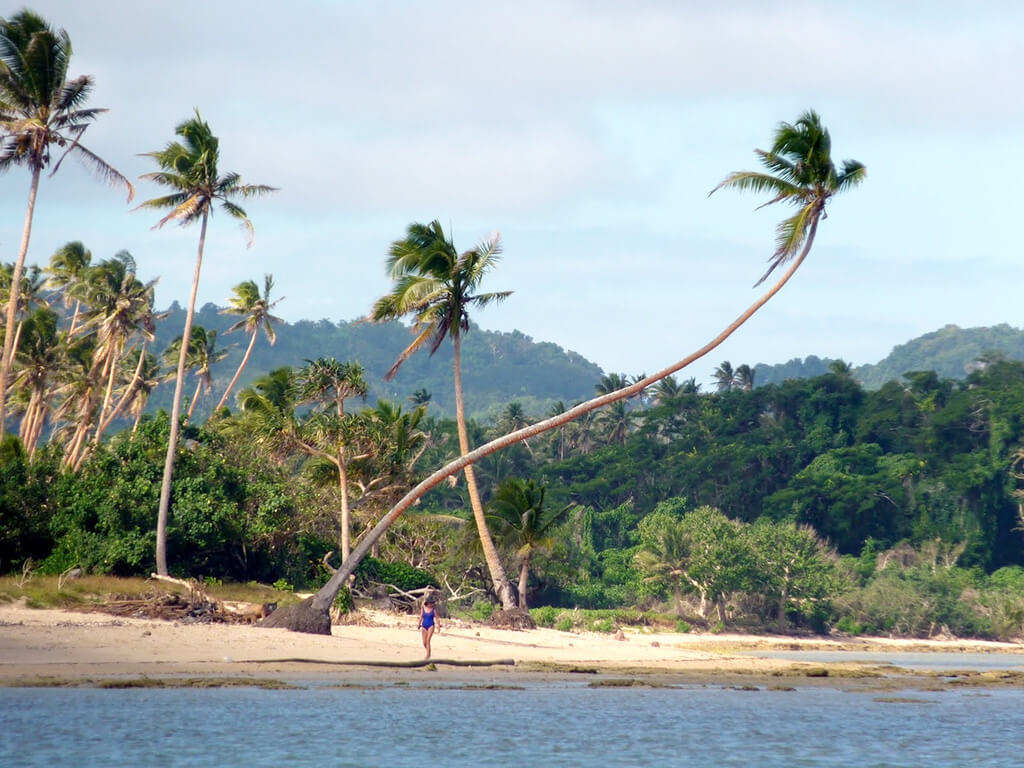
564,624
544,616
397,574
283,585
482,610
683,626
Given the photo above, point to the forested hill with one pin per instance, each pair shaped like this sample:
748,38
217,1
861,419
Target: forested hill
496,367
952,352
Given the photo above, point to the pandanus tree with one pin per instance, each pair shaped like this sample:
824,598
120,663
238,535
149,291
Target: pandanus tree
190,169
254,309
40,108
800,173
436,285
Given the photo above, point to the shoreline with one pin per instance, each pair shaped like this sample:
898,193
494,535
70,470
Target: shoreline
57,647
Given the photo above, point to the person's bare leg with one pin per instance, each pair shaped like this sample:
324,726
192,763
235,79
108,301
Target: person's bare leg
427,635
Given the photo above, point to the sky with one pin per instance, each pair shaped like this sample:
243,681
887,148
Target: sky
588,134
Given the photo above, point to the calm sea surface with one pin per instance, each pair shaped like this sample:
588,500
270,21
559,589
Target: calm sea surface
546,724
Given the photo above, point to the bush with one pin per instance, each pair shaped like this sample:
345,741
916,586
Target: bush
683,626
564,624
481,611
401,575
545,616
850,626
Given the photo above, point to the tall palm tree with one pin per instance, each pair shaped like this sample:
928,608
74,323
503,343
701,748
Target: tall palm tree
255,311
436,286
40,108
667,390
190,169
67,265
517,510
809,185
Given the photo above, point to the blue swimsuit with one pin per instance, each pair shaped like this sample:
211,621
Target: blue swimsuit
427,619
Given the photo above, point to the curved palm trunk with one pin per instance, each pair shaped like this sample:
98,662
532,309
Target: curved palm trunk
172,440
241,366
498,576
346,514
12,300
313,615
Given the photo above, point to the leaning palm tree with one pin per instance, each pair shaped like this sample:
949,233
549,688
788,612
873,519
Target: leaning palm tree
436,285
804,176
255,311
190,169
40,108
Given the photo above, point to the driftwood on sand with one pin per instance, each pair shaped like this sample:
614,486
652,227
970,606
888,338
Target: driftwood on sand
405,664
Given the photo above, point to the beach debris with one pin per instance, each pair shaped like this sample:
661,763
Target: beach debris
513,618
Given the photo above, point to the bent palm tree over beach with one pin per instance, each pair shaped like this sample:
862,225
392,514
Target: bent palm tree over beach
802,174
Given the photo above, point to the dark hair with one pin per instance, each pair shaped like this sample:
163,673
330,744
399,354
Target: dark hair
429,601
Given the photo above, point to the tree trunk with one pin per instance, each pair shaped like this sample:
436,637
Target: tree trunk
12,300
524,579
195,399
498,576
241,366
172,440
313,615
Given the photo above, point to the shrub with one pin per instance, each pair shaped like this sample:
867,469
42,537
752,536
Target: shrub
481,611
564,624
545,616
683,626
603,625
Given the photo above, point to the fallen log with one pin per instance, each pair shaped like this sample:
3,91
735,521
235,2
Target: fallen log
404,664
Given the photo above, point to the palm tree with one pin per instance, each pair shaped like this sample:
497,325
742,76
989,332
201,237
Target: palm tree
145,379
795,183
67,265
420,397
436,285
667,390
725,377
801,173
744,378
611,382
40,358
190,169
517,510
255,311
617,423
326,382
201,357
39,108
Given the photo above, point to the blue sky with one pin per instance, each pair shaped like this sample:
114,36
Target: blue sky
588,134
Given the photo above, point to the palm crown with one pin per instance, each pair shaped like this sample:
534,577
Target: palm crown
39,107
190,168
435,284
801,172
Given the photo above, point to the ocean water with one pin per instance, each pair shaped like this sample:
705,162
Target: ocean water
545,724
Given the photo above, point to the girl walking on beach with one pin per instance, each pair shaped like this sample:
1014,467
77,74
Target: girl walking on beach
428,623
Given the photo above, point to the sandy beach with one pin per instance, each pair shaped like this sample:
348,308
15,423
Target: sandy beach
37,646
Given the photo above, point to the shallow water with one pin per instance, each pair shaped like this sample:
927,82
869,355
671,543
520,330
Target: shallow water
906,660
556,724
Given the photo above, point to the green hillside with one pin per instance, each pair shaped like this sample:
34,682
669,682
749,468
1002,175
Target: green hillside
496,367
952,352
